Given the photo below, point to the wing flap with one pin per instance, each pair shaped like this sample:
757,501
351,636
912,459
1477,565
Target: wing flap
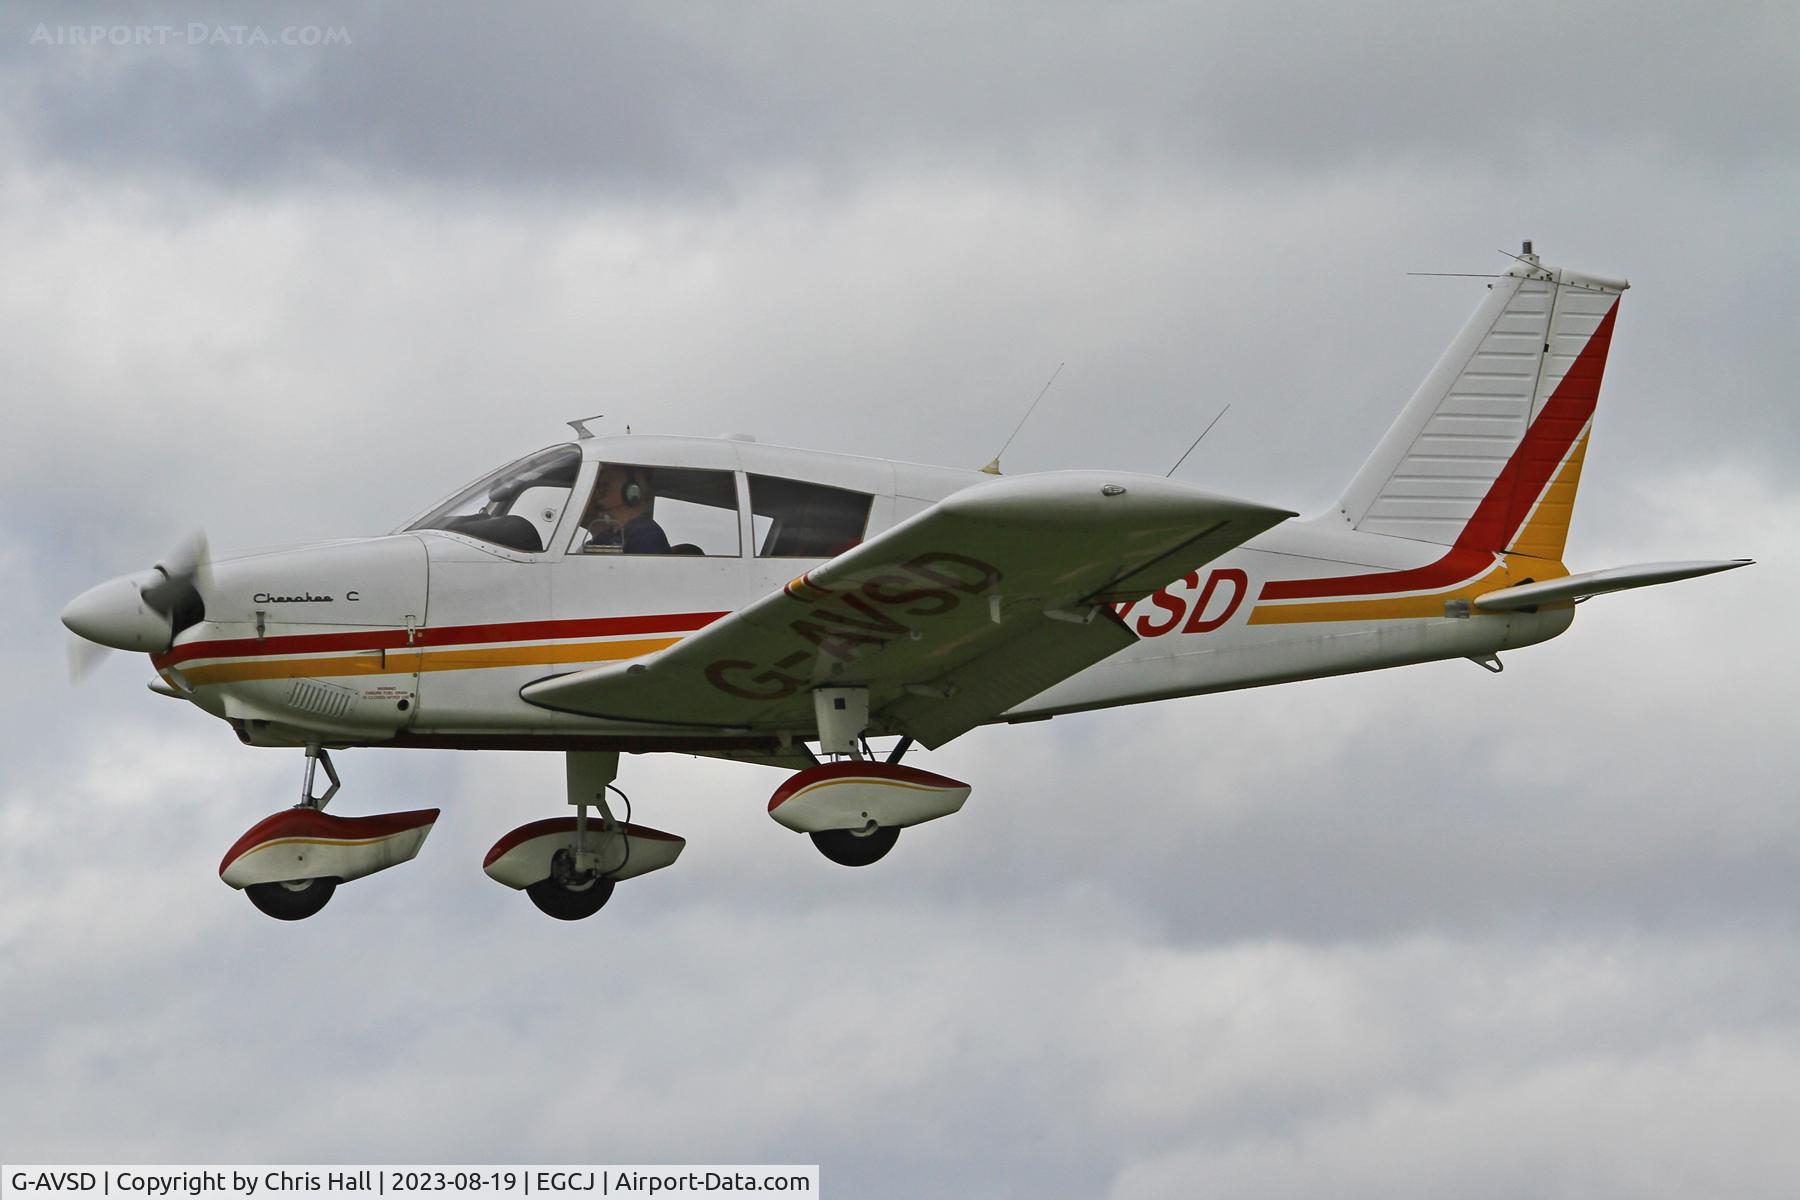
1014,573
1009,674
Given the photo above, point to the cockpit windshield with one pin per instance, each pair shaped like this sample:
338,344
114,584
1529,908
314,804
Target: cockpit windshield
517,506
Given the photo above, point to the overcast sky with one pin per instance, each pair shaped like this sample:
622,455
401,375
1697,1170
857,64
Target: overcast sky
1430,932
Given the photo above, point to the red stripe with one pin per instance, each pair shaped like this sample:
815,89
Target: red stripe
426,636
311,823
1501,513
864,768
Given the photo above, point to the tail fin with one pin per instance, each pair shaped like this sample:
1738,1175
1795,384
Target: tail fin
1487,454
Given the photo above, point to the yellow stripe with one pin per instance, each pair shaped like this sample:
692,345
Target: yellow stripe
305,841
406,662
531,656
289,668
825,783
1547,531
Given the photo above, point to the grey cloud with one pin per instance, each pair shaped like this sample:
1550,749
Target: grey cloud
648,100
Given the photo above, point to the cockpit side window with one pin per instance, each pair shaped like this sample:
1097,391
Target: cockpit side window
793,519
517,506
637,509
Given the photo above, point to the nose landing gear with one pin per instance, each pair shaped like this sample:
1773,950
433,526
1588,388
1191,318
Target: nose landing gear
290,864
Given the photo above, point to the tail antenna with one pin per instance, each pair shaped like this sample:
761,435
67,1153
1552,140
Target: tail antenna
1525,255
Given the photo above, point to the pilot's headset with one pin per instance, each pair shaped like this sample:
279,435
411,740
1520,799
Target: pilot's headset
633,493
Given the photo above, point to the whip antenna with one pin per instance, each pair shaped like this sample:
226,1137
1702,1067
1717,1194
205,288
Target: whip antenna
993,468
1197,440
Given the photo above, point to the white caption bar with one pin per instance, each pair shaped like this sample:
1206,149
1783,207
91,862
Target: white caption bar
420,1182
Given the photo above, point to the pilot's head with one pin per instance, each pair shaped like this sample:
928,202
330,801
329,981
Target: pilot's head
621,492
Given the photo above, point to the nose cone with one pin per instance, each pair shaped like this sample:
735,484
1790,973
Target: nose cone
115,614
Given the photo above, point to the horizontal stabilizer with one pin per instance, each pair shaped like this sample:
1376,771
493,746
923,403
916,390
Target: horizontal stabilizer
1594,583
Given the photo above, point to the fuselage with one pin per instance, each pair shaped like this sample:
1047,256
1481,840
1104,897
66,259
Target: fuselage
425,637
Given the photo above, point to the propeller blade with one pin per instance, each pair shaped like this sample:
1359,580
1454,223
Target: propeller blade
186,574
84,658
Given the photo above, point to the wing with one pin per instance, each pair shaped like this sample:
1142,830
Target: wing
949,618
797,757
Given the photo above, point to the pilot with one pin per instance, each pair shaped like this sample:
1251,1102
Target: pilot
619,513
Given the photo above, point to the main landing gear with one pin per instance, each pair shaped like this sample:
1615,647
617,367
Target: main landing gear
568,865
854,807
290,864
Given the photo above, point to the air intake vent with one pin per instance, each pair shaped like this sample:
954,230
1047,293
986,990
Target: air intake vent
321,699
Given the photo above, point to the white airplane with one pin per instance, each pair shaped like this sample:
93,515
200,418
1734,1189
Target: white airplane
721,597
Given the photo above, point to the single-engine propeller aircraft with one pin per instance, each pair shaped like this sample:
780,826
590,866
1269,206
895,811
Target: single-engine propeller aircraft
726,598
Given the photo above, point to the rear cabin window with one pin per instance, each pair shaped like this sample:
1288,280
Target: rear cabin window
792,519
660,510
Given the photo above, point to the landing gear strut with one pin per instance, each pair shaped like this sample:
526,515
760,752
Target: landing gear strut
579,884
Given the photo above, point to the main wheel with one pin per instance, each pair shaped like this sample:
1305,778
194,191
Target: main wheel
291,899
570,899
854,848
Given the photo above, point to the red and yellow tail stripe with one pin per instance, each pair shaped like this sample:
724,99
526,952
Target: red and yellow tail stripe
1518,529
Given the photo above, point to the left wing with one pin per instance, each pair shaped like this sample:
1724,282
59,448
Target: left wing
948,619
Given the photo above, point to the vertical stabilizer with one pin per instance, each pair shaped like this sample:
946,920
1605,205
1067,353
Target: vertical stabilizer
1487,453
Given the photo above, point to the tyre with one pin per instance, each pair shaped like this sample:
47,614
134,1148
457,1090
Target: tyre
853,848
570,901
291,899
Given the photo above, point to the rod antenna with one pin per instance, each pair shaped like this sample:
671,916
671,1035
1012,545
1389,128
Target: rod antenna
993,468
1197,440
